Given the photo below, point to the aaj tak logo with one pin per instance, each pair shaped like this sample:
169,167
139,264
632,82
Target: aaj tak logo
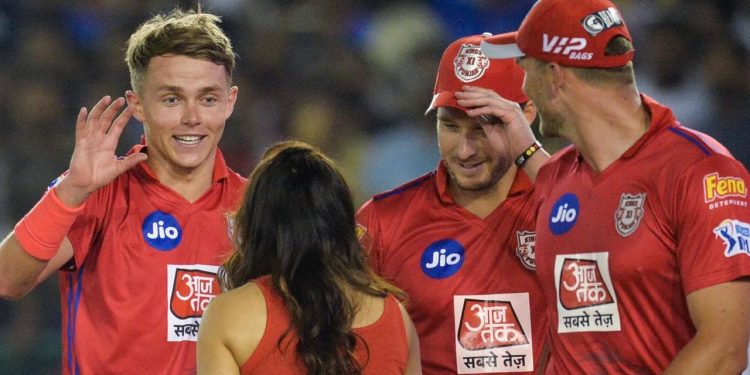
489,324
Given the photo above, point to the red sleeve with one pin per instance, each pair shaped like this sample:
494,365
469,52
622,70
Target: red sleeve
84,230
710,209
368,231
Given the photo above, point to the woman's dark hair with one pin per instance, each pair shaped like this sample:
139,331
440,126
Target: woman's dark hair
297,224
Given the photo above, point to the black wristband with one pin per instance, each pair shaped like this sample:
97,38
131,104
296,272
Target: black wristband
526,155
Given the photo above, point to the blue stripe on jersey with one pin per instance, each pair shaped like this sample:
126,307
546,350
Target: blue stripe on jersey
690,137
69,324
74,299
404,187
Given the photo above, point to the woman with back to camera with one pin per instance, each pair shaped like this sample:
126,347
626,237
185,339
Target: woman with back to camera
301,297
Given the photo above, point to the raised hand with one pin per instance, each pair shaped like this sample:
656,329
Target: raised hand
502,120
94,162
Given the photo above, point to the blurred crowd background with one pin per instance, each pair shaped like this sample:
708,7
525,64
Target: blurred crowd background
353,77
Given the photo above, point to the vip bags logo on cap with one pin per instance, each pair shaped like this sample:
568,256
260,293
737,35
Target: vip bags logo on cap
735,235
161,231
485,323
564,214
470,64
585,297
629,214
190,289
442,258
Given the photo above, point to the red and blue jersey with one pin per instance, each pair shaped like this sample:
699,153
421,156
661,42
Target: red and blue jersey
143,271
472,293
619,250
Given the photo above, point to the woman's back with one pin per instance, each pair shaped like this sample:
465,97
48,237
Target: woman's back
253,318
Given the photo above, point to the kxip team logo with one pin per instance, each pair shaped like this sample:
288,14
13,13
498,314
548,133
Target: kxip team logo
470,64
493,333
190,289
586,300
629,213
525,251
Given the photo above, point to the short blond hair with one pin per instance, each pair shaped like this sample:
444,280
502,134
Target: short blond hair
186,33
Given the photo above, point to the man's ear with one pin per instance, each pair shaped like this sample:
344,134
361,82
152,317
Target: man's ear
134,100
529,111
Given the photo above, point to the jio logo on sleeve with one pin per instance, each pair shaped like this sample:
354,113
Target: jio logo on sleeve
162,231
442,258
564,214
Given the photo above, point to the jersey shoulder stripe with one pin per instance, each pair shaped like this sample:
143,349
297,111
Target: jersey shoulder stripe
409,185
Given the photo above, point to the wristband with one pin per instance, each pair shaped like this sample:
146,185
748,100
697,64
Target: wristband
526,155
44,228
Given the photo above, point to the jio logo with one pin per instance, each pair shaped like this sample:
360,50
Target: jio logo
564,214
442,259
162,231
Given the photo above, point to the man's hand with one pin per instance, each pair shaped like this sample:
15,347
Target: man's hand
502,120
94,163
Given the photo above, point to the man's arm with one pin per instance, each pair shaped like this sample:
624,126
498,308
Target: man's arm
20,272
38,246
721,315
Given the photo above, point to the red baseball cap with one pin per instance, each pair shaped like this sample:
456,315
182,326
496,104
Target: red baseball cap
570,33
463,63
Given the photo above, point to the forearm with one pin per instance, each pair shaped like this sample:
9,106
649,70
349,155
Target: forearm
18,270
704,354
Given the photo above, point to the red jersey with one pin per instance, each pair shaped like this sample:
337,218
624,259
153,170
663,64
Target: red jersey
472,292
143,271
386,352
618,251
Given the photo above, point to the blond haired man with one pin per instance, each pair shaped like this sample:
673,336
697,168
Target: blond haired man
137,240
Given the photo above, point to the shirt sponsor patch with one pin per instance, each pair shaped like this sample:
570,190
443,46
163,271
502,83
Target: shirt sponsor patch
720,191
190,288
526,241
735,235
586,300
493,333
161,231
629,213
564,214
442,258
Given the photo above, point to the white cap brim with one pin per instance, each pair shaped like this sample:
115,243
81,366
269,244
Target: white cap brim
501,51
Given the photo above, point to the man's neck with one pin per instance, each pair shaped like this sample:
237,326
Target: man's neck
191,183
483,203
605,124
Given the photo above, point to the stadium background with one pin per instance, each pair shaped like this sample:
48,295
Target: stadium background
350,76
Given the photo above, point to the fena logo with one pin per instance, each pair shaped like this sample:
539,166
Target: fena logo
570,47
161,231
442,258
564,214
715,186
